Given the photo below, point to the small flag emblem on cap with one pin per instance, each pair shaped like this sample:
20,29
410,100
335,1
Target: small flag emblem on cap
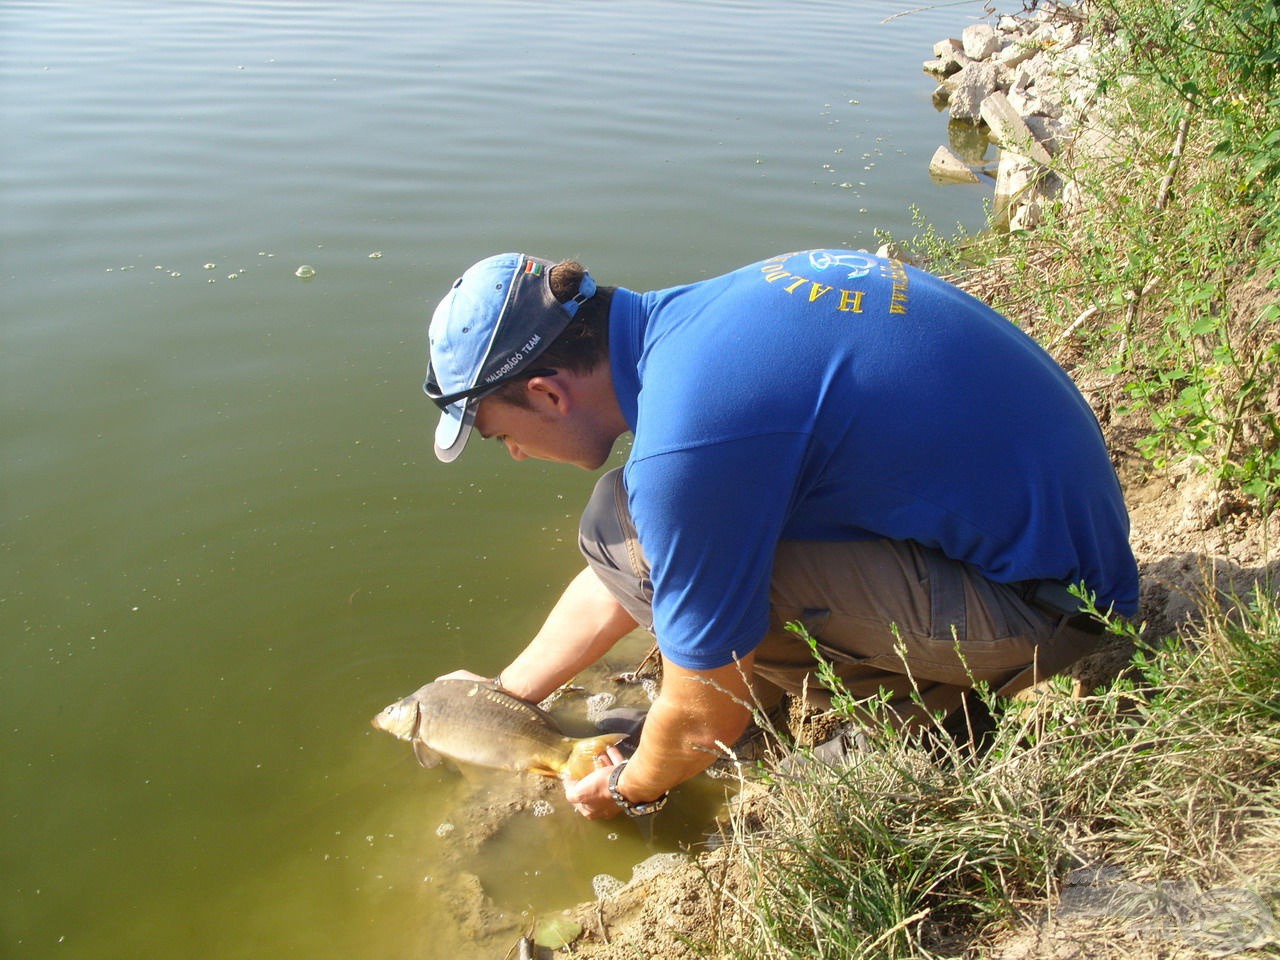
534,268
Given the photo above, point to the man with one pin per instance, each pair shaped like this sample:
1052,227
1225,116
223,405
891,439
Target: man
824,437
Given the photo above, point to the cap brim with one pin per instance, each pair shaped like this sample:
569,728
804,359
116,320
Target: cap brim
453,430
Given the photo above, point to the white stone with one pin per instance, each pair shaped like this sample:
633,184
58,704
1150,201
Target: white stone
1049,131
1027,215
948,48
1015,181
1009,129
946,166
980,41
1010,24
1016,53
971,86
941,68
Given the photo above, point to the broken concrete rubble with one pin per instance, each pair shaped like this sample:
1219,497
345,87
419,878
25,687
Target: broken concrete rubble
980,41
1021,81
946,167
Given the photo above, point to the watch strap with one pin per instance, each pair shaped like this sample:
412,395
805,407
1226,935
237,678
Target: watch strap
632,809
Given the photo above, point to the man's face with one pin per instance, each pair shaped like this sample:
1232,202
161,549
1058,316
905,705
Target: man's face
547,429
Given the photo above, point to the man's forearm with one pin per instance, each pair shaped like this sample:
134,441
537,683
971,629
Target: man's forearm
584,625
697,712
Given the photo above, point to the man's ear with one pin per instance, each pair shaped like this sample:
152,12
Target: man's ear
555,390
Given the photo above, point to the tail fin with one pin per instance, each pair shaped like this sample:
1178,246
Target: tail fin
582,758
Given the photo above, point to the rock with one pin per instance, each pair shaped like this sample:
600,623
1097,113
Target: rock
895,251
1009,129
941,68
980,41
1009,24
1019,51
971,86
1050,131
949,59
948,48
1015,182
1026,79
1027,216
1029,104
942,94
947,167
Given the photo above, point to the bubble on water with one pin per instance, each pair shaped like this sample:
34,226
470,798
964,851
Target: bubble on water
444,829
211,266
376,255
605,885
305,272
598,703
541,808
656,864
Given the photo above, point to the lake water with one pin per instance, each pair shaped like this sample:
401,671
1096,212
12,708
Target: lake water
225,543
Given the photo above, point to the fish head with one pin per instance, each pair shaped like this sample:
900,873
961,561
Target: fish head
400,719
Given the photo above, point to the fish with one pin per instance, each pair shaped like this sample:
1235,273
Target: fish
473,722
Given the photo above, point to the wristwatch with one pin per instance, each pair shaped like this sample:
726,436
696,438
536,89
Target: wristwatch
633,809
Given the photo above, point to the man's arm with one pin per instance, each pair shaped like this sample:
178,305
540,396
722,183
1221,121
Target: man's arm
696,711
584,625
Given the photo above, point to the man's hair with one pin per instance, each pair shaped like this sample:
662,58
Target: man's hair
583,344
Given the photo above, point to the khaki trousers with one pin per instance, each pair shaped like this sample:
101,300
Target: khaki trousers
895,620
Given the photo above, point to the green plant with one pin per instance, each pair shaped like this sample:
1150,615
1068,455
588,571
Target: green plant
1169,772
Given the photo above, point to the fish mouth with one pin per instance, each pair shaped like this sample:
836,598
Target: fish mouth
401,720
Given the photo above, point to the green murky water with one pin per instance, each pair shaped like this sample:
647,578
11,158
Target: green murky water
225,542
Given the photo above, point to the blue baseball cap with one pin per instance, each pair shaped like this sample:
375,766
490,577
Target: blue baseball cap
491,325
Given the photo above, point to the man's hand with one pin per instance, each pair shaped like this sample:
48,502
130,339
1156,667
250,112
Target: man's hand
590,795
697,711
464,675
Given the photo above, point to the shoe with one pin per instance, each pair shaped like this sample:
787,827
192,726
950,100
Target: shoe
838,752
628,720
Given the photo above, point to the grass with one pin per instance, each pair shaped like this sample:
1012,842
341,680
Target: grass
1157,271
1170,774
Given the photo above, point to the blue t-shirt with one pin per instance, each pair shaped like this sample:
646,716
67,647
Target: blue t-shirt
833,395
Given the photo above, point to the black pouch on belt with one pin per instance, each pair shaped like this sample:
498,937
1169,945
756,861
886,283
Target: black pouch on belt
1053,596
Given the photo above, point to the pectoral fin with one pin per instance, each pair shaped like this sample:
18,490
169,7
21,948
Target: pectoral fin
582,759
426,756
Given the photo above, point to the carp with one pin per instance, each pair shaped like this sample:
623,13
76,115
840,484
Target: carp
473,722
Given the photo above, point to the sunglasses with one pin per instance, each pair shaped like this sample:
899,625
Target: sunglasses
446,400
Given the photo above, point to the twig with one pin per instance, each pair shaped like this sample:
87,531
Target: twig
604,930
652,655
1074,326
928,7
1175,159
